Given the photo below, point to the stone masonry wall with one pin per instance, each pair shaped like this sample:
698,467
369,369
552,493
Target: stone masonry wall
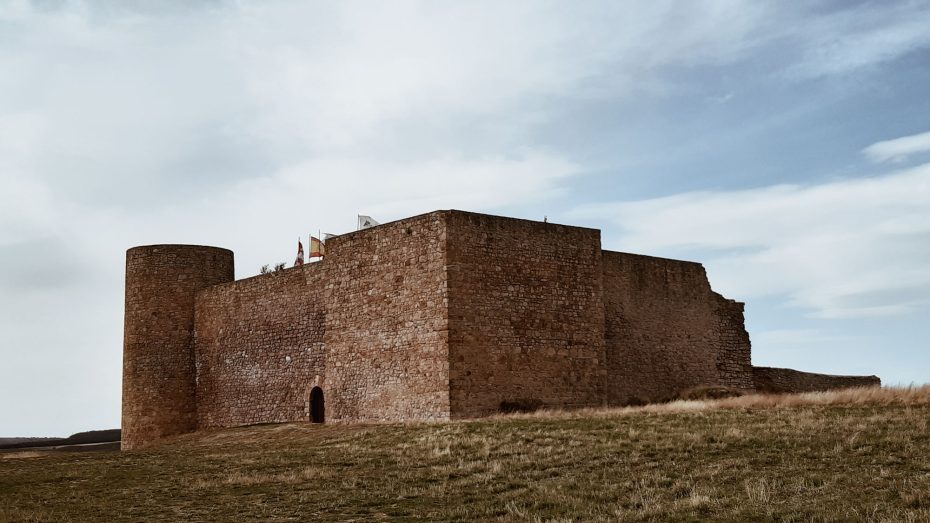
525,314
386,322
259,347
667,331
444,315
770,379
367,325
158,363
732,345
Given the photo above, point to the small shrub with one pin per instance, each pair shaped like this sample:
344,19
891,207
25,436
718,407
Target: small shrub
633,401
520,405
278,267
709,392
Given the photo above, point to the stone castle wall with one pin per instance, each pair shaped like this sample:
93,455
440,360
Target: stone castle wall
259,347
667,331
444,315
732,345
367,325
158,364
525,314
775,380
386,322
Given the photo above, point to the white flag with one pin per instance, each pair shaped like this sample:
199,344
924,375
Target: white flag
365,222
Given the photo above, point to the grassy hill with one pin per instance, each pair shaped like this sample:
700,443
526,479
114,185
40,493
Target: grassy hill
79,438
843,456
17,441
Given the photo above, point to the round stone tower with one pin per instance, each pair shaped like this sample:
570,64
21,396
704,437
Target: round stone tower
158,359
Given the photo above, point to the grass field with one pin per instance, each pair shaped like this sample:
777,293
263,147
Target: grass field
860,455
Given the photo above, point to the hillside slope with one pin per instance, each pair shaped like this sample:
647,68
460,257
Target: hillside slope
78,438
826,457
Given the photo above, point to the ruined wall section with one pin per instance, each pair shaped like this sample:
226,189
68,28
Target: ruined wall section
259,347
159,396
733,347
667,331
386,322
775,380
525,314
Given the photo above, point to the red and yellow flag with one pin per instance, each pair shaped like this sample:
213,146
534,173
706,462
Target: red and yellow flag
317,248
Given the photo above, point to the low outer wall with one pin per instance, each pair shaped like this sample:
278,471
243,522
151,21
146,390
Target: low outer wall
770,379
667,331
525,314
259,347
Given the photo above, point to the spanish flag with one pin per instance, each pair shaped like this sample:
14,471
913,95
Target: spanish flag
317,247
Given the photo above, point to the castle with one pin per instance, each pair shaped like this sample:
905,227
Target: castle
445,315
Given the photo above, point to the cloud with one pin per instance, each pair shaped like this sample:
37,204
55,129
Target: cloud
849,248
109,105
38,264
856,38
899,149
803,338
260,218
243,124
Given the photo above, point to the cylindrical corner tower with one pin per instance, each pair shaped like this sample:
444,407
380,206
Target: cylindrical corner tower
158,359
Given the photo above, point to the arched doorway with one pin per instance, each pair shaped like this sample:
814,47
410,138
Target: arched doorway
317,408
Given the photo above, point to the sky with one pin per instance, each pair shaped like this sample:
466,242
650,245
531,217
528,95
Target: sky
784,145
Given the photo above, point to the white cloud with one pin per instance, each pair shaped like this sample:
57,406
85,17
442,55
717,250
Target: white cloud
805,338
126,105
416,69
899,149
842,249
857,38
244,124
260,218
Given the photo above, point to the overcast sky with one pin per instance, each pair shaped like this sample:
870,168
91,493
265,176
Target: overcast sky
785,145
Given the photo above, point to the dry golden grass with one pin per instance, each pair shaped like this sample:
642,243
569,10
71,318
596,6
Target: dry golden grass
914,396
22,455
861,455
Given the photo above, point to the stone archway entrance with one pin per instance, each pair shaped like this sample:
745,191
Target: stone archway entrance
317,407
